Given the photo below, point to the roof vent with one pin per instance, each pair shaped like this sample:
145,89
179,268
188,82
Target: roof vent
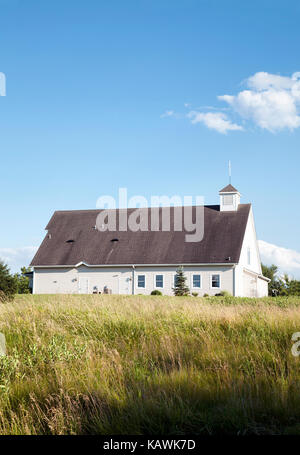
70,241
114,240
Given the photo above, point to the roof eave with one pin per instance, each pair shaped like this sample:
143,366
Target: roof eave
231,264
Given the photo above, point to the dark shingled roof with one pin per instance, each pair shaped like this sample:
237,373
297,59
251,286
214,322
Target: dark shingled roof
228,188
223,237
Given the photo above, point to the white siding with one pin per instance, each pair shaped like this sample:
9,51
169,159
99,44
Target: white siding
120,279
262,287
250,242
71,280
226,275
247,280
249,284
238,280
254,286
54,281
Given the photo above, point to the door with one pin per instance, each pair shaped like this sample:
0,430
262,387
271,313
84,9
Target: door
125,284
83,286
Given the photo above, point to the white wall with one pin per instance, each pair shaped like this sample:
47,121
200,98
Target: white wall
250,241
247,281
238,281
249,284
262,287
74,280
119,279
168,273
54,281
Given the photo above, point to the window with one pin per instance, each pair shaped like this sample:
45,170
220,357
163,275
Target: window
141,281
249,256
196,281
159,281
215,281
228,199
175,280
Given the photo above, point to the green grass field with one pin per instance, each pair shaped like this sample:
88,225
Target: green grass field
149,365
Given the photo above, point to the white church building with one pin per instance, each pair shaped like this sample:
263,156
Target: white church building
75,257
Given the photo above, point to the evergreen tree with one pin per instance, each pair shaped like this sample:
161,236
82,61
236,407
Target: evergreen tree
180,287
280,285
22,281
8,286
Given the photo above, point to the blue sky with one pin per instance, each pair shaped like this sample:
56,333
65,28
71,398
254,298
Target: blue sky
109,94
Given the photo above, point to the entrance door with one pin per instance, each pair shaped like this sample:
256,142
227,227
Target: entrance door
83,286
124,284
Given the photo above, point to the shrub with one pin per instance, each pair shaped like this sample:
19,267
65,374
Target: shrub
8,286
156,292
205,295
195,294
223,294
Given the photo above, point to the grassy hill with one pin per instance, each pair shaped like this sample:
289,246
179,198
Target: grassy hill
149,365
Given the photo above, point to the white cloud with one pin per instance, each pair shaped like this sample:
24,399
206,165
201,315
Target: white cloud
269,101
272,102
264,81
214,120
288,261
168,114
16,258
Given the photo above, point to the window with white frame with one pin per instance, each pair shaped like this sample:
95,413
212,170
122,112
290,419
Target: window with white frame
215,281
248,255
141,282
159,281
175,280
196,281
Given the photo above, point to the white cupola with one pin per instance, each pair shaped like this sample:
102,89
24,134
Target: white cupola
229,199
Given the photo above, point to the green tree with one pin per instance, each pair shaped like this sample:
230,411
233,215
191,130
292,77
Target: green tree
8,286
275,285
22,281
180,287
280,286
292,286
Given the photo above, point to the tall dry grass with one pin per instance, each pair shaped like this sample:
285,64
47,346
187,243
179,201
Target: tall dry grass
149,365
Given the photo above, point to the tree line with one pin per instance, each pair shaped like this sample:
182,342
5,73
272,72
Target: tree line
280,285
11,284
